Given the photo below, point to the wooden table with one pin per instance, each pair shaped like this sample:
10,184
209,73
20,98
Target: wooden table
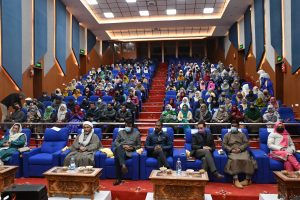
72,182
7,176
288,188
178,187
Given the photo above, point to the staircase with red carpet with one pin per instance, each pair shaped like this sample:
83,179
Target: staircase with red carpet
152,108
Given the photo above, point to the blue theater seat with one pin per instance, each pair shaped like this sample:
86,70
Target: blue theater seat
108,164
41,159
147,164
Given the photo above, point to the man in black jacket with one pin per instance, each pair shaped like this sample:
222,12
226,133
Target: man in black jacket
10,100
123,114
159,145
202,148
93,113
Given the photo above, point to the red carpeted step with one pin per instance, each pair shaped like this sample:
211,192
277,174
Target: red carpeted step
157,87
156,99
157,96
152,103
149,115
148,121
152,108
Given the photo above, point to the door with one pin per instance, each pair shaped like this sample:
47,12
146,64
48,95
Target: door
279,81
37,82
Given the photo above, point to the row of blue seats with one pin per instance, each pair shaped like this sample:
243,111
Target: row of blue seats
39,160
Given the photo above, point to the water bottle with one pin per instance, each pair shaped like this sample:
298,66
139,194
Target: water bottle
178,167
72,163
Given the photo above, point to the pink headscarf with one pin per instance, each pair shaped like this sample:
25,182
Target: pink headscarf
211,85
285,141
281,154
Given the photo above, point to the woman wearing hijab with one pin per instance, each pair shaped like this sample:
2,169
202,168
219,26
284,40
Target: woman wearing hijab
245,90
77,93
274,103
33,114
211,85
62,114
282,147
12,142
236,114
251,97
271,115
243,105
203,114
239,97
185,101
48,114
87,92
253,115
184,115
260,103
220,116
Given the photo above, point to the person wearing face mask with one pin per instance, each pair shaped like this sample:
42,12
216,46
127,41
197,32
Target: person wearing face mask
203,146
235,143
221,115
252,115
203,114
44,97
159,145
127,141
282,147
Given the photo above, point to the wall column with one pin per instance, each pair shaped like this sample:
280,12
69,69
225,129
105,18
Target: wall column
176,48
149,50
191,48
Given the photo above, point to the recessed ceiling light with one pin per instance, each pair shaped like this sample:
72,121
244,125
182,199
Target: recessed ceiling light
208,10
108,15
171,12
144,12
130,1
92,2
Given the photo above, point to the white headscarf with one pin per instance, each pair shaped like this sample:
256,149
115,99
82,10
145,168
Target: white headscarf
14,136
61,115
89,137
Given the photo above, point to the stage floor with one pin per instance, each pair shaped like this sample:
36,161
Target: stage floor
137,190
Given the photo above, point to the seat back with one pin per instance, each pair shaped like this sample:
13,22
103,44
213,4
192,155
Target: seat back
54,140
94,98
47,103
80,99
107,99
171,93
263,139
189,136
67,99
116,132
97,131
27,132
286,114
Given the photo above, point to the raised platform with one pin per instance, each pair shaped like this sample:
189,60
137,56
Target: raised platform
138,190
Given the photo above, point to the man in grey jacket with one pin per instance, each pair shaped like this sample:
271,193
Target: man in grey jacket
127,141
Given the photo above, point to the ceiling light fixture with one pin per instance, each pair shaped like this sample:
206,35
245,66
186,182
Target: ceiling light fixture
108,15
130,1
92,2
144,12
208,10
171,12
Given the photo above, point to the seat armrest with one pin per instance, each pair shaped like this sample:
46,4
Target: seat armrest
56,158
26,156
64,155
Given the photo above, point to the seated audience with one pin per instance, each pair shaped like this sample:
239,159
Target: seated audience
127,141
282,147
12,142
48,115
203,146
236,114
93,113
185,115
239,161
274,103
108,114
17,115
168,115
84,147
33,114
123,114
62,114
203,114
271,115
220,116
159,145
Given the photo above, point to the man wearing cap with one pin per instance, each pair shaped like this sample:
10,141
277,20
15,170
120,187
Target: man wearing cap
8,101
84,147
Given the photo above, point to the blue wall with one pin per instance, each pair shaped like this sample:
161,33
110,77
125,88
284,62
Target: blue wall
91,40
40,29
247,31
295,35
276,25
12,39
75,38
259,30
61,38
233,35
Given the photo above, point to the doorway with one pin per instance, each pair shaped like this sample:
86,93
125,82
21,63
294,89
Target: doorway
279,81
38,82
